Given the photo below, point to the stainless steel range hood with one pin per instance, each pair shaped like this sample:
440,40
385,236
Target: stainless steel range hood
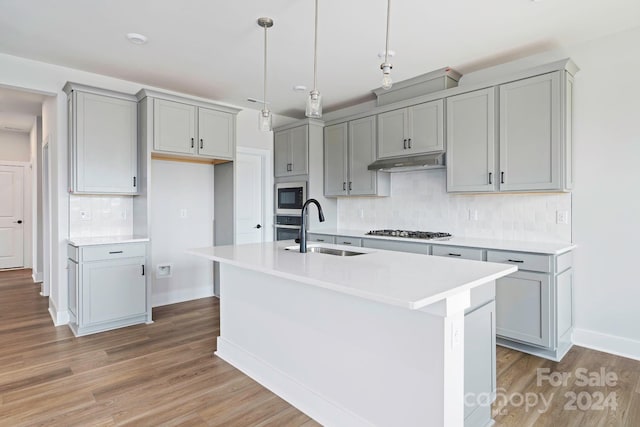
410,163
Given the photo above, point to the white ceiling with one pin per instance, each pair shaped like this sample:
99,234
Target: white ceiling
213,48
18,109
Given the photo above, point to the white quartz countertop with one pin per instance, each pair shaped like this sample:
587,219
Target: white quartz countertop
401,279
106,240
549,248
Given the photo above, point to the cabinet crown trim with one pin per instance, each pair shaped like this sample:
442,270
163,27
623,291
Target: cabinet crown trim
149,93
70,87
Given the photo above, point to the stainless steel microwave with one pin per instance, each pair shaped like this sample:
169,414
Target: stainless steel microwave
290,196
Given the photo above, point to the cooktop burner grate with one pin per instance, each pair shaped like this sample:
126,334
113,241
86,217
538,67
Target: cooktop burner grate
410,234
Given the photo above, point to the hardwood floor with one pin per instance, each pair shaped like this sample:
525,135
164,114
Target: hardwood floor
165,374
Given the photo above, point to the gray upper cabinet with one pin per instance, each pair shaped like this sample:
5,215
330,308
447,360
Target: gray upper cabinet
530,134
527,147
349,148
103,144
417,129
291,151
471,141
175,130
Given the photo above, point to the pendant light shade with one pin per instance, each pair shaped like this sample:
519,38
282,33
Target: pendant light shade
386,66
264,119
314,101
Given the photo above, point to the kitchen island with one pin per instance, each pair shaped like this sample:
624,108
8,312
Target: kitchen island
371,339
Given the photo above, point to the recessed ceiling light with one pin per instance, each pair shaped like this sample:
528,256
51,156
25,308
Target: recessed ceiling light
136,38
392,53
299,88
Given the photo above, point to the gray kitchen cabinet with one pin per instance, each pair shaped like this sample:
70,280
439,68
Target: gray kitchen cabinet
291,151
103,141
394,245
412,130
107,287
533,140
458,252
321,238
188,129
347,240
534,306
471,142
349,148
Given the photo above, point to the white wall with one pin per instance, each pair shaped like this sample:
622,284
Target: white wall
14,146
180,186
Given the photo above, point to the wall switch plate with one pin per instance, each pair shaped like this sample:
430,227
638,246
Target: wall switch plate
361,213
85,216
473,214
562,217
183,213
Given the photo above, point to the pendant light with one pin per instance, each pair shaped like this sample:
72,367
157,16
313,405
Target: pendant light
314,102
264,120
386,66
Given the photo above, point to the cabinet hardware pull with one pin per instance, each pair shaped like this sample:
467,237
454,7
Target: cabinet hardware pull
143,269
134,181
519,261
490,176
452,254
405,144
350,186
501,177
344,186
192,143
320,240
289,167
115,252
346,243
201,144
409,141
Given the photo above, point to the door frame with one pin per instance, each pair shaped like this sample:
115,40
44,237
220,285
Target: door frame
266,157
46,220
27,222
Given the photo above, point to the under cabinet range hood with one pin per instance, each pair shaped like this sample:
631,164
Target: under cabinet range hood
434,160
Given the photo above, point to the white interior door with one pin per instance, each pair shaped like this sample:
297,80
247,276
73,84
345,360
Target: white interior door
250,198
11,221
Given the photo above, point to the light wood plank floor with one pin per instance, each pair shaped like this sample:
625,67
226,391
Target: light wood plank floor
165,374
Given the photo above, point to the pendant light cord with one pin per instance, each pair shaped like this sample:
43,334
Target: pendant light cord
264,98
386,50
315,52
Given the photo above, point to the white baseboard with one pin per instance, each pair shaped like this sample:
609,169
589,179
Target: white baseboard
311,403
59,317
37,277
181,295
619,346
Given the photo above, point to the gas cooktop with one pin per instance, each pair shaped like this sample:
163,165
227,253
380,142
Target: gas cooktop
411,234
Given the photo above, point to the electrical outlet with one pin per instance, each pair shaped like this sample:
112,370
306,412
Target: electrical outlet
361,213
183,213
562,217
85,216
473,214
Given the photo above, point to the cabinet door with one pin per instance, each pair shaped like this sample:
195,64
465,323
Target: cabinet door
522,307
426,127
391,133
471,141
106,144
335,160
299,150
215,133
479,360
530,133
362,152
281,159
113,290
174,127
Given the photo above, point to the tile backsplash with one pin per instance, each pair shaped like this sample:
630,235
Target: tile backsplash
419,201
95,216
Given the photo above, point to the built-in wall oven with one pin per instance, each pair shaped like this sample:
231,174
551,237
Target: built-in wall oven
290,196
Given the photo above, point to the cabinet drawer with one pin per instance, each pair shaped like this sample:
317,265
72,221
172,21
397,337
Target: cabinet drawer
352,241
458,252
323,238
106,252
392,245
524,261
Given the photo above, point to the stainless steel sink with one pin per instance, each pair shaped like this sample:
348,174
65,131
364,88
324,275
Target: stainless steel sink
323,250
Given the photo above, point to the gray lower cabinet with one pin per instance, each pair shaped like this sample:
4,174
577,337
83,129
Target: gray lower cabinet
349,241
394,245
349,148
291,151
321,238
103,141
534,306
107,287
